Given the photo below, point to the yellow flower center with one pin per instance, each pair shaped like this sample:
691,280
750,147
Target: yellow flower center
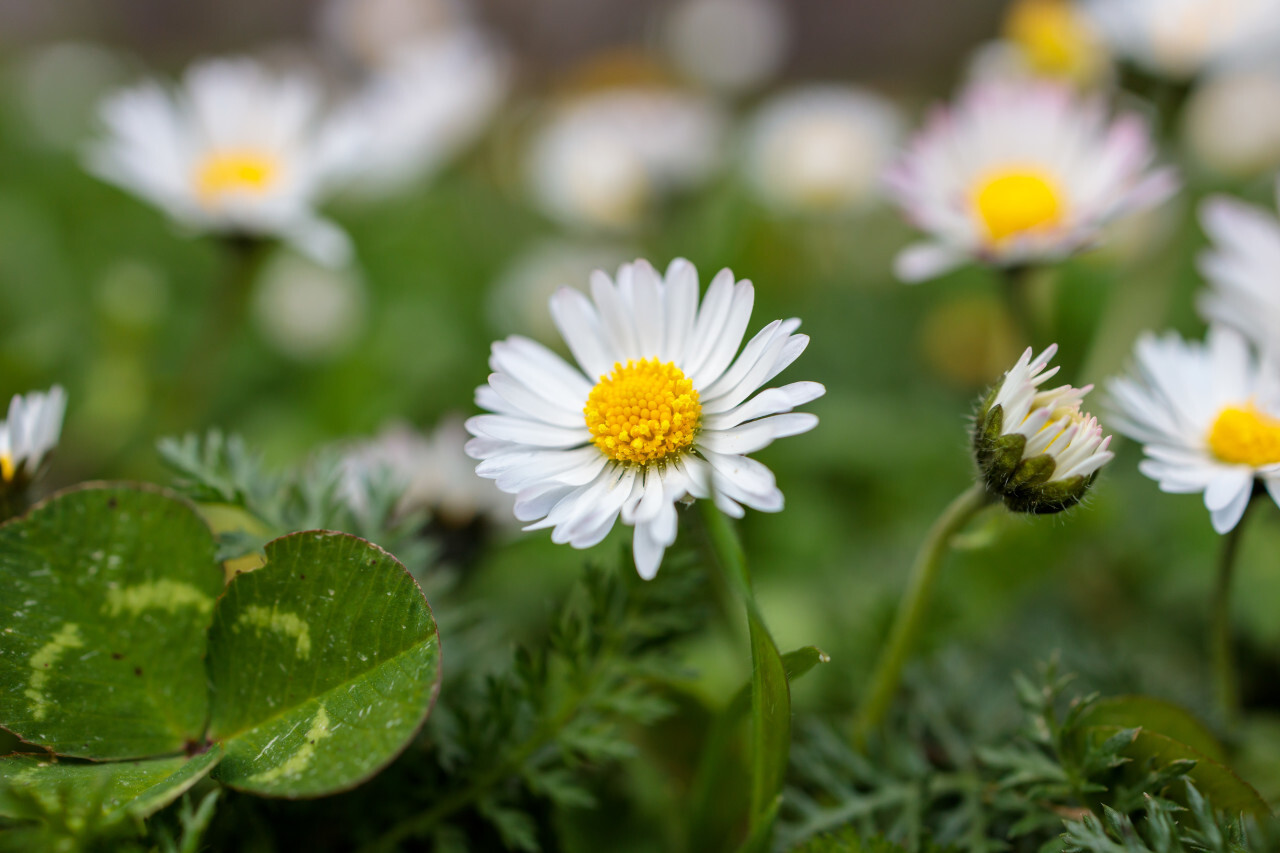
1017,202
6,467
239,171
643,412
1245,436
1053,37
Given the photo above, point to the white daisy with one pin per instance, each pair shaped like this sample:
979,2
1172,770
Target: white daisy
729,46
821,148
600,160
657,410
1181,38
236,149
1240,267
29,433
1018,172
1036,448
1044,38
1208,416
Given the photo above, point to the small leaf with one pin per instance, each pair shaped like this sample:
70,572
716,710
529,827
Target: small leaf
323,664
138,788
770,725
108,593
1155,715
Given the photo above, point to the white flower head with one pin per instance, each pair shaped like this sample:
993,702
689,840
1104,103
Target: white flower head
1181,38
729,46
433,470
601,159
236,149
1231,123
821,148
1208,417
1018,172
1036,449
29,434
1240,266
657,410
1044,38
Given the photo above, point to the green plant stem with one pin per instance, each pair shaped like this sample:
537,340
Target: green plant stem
724,541
911,609
1017,282
1226,685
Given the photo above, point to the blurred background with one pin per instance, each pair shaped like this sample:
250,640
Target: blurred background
706,154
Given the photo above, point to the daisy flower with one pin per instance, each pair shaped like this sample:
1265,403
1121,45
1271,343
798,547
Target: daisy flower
28,435
1181,38
656,411
601,160
1240,267
1037,450
1231,123
1208,416
235,150
821,148
1018,172
1044,38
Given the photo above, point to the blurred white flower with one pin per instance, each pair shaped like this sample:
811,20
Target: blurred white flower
727,45
1181,38
372,32
518,299
600,160
28,434
1017,172
821,148
1208,416
1044,38
237,149
59,86
1232,121
306,311
1241,267
434,471
661,408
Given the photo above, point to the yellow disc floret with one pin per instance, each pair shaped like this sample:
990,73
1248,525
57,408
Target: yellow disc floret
1245,436
222,173
1055,38
643,412
7,469
1017,202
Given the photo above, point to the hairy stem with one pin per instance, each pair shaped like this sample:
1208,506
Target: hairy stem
911,609
1226,685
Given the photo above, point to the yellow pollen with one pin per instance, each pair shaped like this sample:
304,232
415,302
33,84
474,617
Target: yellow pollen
643,412
6,467
239,171
1017,202
1053,37
1245,436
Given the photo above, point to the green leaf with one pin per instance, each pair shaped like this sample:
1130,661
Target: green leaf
323,664
770,724
1155,715
108,595
1219,783
136,788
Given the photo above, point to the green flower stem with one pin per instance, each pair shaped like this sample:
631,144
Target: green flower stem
911,610
1226,685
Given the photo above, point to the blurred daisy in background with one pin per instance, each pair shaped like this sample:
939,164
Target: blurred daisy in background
1231,124
727,46
1208,417
59,86
518,300
434,471
28,434
601,160
1045,38
1241,267
429,81
306,311
1015,173
821,148
1182,38
237,150
658,410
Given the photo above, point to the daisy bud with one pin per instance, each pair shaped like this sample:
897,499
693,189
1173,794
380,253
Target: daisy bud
1037,450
